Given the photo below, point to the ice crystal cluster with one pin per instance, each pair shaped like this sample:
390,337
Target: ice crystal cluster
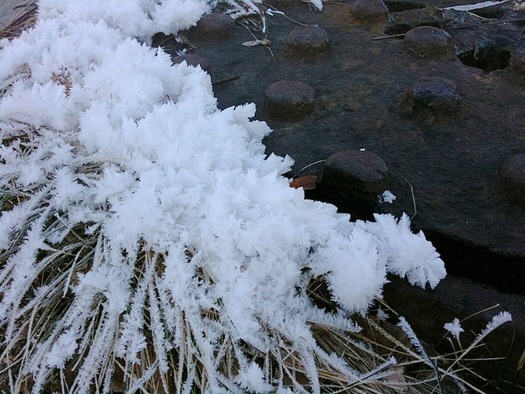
146,237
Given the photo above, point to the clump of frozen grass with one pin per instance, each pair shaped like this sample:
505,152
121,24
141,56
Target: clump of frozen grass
23,19
146,240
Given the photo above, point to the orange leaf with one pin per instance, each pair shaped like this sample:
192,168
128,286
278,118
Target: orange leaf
306,182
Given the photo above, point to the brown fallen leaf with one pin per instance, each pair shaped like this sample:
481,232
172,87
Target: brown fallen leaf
306,182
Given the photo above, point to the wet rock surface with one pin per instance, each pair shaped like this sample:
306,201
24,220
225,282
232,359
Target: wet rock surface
433,97
517,64
447,172
428,42
401,22
367,10
307,41
289,100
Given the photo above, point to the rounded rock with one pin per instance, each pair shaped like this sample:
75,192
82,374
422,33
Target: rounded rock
512,175
438,94
193,60
434,98
352,180
307,40
214,27
289,100
428,42
368,10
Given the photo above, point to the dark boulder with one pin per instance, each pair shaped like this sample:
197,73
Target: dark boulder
366,11
352,181
434,97
307,41
289,100
428,42
517,65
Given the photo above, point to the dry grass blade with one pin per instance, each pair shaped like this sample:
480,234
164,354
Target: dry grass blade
375,360
25,19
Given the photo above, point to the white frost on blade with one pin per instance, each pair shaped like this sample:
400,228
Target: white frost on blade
356,273
406,254
173,16
251,378
498,320
454,328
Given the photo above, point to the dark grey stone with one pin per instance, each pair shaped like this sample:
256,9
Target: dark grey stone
428,42
435,94
428,310
401,22
352,180
486,53
368,10
307,40
289,100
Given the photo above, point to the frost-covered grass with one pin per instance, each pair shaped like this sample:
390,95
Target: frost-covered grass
148,243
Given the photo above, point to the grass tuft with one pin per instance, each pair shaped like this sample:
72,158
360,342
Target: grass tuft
24,19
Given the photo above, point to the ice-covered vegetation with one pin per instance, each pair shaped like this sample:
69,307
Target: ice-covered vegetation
147,241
